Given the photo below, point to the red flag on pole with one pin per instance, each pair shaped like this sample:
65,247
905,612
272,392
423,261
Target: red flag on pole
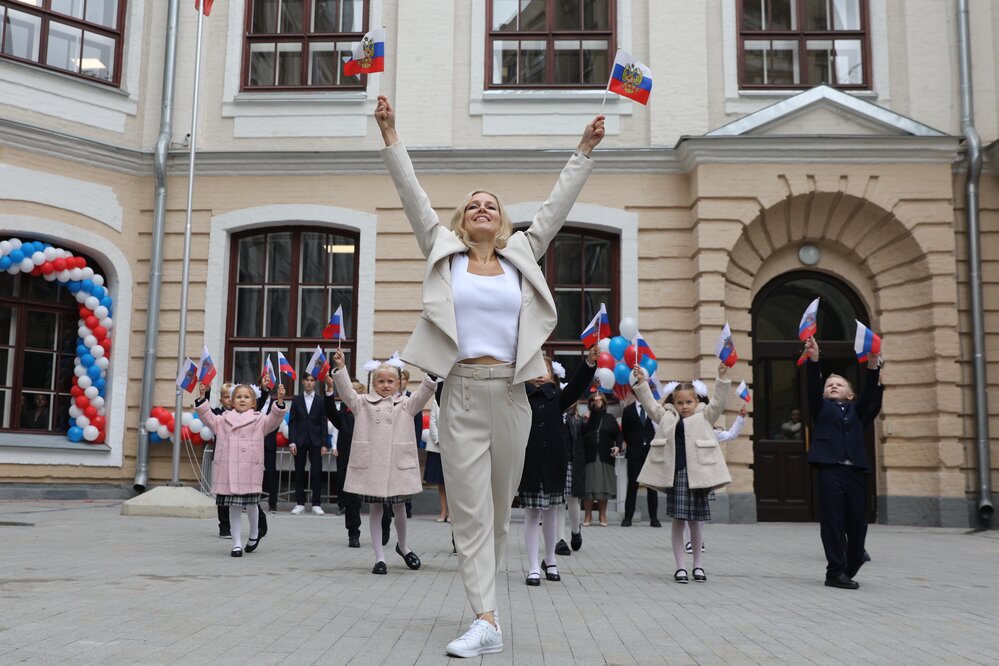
208,6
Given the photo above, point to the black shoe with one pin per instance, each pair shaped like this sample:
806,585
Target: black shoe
576,540
353,542
626,522
379,568
699,575
454,548
680,576
842,582
548,575
412,560
867,557
237,552
262,524
533,579
225,533
252,544
655,523
562,548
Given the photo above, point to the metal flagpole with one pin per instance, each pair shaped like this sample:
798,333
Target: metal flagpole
182,339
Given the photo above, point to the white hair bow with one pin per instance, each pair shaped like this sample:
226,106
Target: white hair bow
558,369
669,387
700,388
256,390
395,361
371,366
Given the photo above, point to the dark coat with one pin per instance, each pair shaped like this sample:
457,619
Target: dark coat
547,454
308,428
636,435
838,431
600,434
577,453
343,420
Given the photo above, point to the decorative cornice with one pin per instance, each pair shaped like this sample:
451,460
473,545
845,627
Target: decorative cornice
689,153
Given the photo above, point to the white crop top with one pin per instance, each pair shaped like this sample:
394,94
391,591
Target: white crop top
486,310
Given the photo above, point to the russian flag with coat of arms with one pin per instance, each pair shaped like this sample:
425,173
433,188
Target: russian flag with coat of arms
368,56
630,78
725,348
188,377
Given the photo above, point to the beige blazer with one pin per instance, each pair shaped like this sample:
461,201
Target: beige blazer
434,343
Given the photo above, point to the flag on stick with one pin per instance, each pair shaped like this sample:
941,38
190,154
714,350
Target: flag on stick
630,78
642,348
725,348
867,342
334,329
598,328
809,321
368,56
743,391
318,367
208,6
207,371
188,377
268,371
285,367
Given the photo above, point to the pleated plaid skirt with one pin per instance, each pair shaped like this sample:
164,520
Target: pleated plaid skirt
539,499
237,500
395,499
683,503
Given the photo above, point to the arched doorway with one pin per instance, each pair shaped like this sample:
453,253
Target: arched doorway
783,480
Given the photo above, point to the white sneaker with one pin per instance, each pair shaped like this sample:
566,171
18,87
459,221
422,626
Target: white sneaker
481,638
317,511
298,510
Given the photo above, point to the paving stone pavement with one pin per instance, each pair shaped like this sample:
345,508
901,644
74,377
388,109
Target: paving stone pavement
84,585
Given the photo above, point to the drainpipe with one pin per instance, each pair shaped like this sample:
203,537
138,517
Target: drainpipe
973,146
156,262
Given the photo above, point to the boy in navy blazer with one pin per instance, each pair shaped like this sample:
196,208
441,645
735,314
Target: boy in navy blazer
308,433
839,419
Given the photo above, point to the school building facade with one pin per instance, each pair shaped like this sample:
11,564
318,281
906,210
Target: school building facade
792,149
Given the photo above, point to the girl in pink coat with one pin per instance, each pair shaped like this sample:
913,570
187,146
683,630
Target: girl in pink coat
384,467
238,467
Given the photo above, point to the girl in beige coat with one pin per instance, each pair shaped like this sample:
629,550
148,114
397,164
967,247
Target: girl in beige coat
685,460
384,467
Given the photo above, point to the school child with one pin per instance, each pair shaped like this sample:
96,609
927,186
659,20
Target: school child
685,460
837,451
238,468
542,483
384,467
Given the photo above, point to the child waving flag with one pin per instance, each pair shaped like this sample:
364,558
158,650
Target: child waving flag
808,327
866,342
285,367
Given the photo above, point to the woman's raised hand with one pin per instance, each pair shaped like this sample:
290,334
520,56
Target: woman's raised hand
722,369
592,135
385,117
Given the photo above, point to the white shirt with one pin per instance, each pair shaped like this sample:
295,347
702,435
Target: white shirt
486,310
308,397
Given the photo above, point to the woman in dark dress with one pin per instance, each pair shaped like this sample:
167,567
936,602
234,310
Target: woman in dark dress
601,442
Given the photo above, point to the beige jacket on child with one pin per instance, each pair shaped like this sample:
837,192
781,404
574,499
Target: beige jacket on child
706,469
383,456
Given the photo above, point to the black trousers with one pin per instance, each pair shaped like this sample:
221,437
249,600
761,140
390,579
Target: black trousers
314,456
842,518
634,469
270,477
349,501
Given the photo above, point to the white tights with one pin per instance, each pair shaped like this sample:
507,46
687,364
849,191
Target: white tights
549,525
375,510
236,524
696,538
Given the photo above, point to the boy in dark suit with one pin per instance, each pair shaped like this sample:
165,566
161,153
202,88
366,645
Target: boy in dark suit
638,431
308,431
837,451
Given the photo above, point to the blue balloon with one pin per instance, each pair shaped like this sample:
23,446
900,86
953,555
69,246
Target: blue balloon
97,291
87,286
650,364
75,434
81,349
28,248
154,438
94,372
106,302
621,373
87,360
99,382
16,256
73,286
4,263
617,347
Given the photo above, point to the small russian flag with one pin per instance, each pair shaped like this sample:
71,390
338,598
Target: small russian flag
318,367
368,56
188,377
207,8
725,348
642,348
809,321
598,328
334,329
630,78
268,371
285,367
207,371
867,342
743,391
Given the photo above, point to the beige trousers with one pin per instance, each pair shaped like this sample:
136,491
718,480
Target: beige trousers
484,423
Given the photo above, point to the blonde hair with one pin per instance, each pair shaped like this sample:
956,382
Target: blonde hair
845,381
359,387
396,370
458,221
226,389
247,387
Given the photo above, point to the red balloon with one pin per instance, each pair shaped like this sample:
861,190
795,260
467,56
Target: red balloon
79,262
36,271
106,343
282,440
98,421
92,322
99,332
160,414
630,356
100,437
606,360
90,411
59,264
47,268
621,391
426,421
76,391
196,438
82,401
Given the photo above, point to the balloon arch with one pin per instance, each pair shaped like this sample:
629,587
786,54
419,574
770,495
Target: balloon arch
93,342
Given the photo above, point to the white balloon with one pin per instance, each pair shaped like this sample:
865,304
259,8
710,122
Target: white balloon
206,433
186,419
107,322
27,265
87,273
38,258
604,344
91,392
14,269
84,381
425,435
49,277
98,402
152,424
97,351
98,280
90,341
50,253
627,328
196,426
75,412
5,247
63,276
81,296
91,302
15,243
80,371
163,432
90,433
606,378
82,421
283,428
75,274
102,362
101,312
